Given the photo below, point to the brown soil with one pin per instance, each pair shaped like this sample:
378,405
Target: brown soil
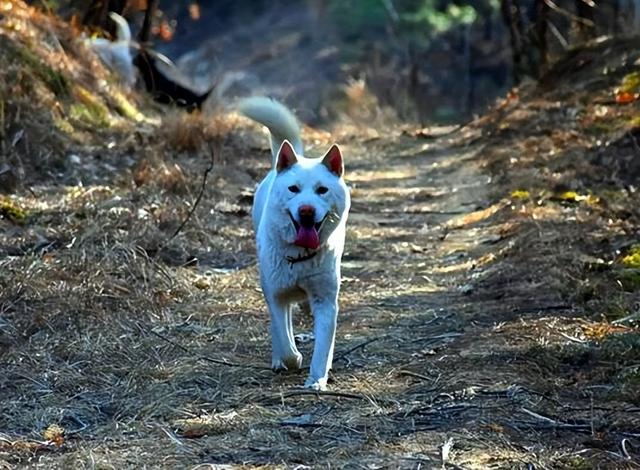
480,327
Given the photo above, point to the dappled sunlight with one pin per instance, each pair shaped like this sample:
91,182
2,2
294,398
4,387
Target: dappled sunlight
476,217
469,449
390,192
461,267
454,160
372,176
367,233
489,302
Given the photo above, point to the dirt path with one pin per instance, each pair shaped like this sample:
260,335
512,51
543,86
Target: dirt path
435,365
444,354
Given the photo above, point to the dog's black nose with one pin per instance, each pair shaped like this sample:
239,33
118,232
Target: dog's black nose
307,215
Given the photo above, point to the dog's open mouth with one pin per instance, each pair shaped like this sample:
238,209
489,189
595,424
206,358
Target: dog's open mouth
307,235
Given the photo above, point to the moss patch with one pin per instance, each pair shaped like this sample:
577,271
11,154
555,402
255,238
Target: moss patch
632,259
13,212
90,108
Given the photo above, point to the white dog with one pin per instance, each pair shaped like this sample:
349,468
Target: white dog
300,215
117,54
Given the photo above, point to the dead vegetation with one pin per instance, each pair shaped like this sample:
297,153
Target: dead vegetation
489,309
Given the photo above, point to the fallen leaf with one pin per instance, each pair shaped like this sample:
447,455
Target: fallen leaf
632,259
520,194
572,196
624,97
599,331
11,211
495,427
206,425
54,433
202,283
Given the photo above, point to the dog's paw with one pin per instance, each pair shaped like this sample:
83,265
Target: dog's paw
287,363
316,384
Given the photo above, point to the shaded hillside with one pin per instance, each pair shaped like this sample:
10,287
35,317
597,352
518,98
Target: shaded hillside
58,100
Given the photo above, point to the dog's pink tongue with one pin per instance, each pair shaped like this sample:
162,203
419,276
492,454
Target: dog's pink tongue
307,237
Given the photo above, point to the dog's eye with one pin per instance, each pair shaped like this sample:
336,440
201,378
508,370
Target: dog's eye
294,188
322,190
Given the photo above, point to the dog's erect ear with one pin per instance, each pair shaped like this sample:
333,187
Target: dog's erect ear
333,161
286,156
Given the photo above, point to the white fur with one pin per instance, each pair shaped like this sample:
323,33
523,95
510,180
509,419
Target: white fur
117,54
317,279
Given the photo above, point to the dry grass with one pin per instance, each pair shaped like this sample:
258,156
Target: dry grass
190,132
56,98
476,329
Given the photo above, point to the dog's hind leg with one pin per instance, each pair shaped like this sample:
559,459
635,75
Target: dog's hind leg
284,354
325,315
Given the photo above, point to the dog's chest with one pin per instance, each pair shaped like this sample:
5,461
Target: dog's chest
308,276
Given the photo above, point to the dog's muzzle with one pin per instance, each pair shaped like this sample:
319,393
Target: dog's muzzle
307,228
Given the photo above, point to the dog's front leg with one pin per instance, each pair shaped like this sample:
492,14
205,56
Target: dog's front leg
284,354
325,315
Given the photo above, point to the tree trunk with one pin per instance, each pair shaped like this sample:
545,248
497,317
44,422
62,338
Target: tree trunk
96,13
145,32
542,17
513,20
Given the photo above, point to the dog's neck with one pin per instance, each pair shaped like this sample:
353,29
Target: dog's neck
307,255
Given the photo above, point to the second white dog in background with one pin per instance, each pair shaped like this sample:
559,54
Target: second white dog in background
299,214
117,54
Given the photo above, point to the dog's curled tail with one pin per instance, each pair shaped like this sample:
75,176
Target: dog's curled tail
123,32
281,122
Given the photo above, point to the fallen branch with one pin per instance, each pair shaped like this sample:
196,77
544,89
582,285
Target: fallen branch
195,204
629,318
444,336
555,423
201,357
541,308
427,323
356,347
416,375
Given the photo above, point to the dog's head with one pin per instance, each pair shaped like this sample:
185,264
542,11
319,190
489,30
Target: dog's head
312,197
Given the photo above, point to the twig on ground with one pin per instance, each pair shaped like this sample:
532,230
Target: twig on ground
558,35
223,362
356,347
436,212
414,374
195,204
326,393
634,316
374,401
623,447
444,336
427,323
573,338
558,424
173,437
542,308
